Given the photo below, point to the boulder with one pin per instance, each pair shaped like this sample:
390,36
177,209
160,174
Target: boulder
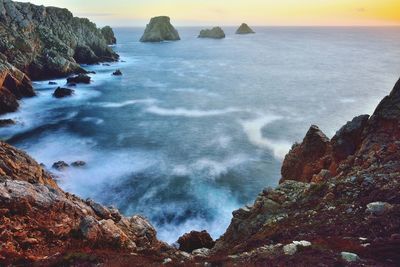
349,257
60,165
160,29
108,34
80,78
195,240
244,29
99,209
117,73
214,33
63,92
378,208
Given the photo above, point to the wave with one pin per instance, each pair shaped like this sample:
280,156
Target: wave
127,103
253,130
194,113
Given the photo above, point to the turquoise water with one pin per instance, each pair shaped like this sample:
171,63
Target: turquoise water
197,128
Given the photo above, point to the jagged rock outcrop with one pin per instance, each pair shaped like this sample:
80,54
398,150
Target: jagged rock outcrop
244,29
109,35
41,223
214,33
160,29
14,85
354,212
195,240
46,42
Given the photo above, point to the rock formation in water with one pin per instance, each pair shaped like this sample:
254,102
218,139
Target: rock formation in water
160,29
80,78
214,33
109,35
338,203
244,29
38,42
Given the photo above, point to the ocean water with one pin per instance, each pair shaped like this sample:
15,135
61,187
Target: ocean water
197,128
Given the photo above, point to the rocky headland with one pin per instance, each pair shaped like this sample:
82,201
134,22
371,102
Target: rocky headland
244,29
38,42
160,29
214,33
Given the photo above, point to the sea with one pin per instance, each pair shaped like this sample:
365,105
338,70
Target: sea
195,129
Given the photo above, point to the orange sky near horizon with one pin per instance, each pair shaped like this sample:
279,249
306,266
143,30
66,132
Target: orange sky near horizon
233,12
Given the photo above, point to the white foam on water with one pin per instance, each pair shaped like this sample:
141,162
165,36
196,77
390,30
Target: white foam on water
253,129
94,120
195,91
131,102
193,113
347,100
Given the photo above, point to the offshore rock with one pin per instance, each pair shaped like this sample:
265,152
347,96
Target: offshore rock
63,92
244,29
160,29
80,78
214,33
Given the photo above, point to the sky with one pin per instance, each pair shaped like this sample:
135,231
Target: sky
233,12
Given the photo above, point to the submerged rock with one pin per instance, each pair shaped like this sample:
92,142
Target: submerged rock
78,163
244,29
160,29
195,240
63,92
52,83
80,78
117,73
214,33
6,122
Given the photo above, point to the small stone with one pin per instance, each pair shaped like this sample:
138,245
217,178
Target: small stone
378,208
349,257
291,249
52,83
166,261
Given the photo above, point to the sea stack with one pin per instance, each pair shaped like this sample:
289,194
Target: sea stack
214,33
109,35
160,29
244,29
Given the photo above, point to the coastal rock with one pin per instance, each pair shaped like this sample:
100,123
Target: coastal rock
60,165
80,78
214,33
46,42
160,29
244,29
63,92
349,257
195,240
117,73
6,122
108,34
378,208
306,159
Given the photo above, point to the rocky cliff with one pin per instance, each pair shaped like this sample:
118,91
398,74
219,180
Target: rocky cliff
338,202
38,42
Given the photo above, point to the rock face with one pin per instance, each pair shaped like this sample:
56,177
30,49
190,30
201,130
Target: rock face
46,42
214,33
160,29
354,211
14,85
38,219
108,34
244,29
195,240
